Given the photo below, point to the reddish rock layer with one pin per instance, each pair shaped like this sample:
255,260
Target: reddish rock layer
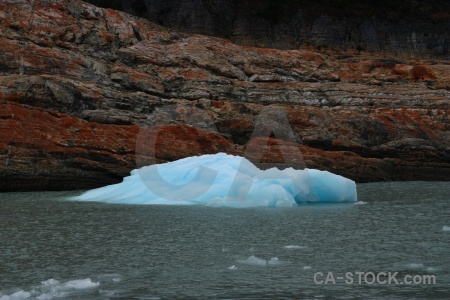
78,84
49,150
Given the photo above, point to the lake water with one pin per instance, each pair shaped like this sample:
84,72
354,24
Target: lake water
51,248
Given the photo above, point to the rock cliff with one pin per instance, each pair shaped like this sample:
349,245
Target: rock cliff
87,94
407,28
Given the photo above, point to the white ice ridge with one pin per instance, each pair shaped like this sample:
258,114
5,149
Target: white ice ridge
224,180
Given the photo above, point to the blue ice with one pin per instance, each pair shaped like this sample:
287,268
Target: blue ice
224,180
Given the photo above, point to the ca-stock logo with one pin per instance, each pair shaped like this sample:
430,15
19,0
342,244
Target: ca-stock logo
272,121
382,278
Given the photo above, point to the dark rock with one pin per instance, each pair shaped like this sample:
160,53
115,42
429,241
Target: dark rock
419,28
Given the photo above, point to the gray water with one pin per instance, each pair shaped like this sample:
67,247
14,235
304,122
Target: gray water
51,248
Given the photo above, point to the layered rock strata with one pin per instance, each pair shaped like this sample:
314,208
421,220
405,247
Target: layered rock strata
81,86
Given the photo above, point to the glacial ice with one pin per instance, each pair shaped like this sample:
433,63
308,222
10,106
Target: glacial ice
446,228
52,289
224,180
16,296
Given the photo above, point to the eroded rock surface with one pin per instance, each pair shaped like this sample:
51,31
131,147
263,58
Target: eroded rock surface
408,28
79,83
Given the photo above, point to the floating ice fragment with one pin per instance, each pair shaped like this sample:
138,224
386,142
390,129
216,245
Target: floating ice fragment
51,295
20,295
274,261
446,228
107,293
72,284
114,277
50,282
233,267
307,267
253,261
360,203
294,247
224,180
52,289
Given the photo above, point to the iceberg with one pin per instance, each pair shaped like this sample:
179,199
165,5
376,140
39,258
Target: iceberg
224,180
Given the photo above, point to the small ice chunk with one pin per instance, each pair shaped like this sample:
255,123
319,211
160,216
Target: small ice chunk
253,261
307,267
294,247
274,261
107,293
51,289
446,228
111,277
360,203
20,295
430,269
50,282
233,267
81,284
49,296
